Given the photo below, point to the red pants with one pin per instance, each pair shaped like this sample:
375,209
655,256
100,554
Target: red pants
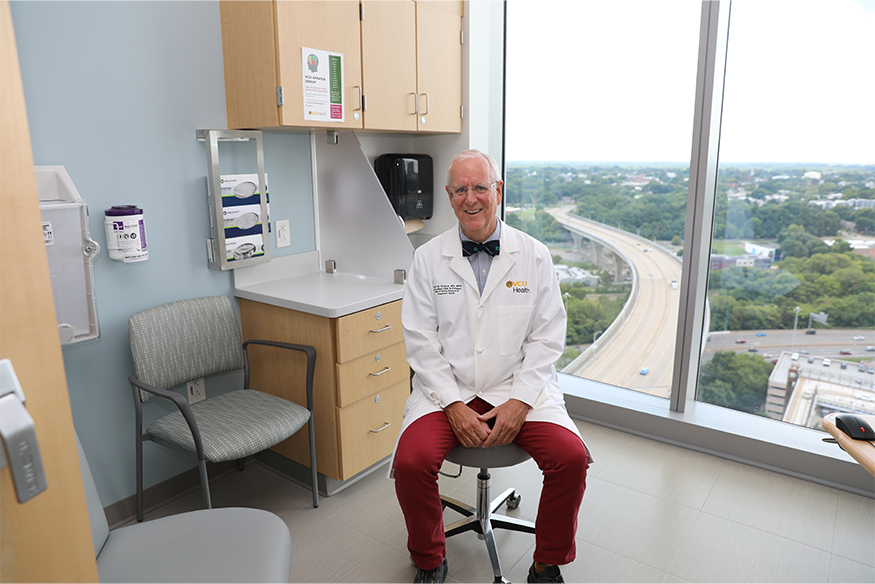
559,453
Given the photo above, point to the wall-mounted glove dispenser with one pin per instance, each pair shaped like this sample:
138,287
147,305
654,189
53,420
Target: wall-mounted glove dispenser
71,252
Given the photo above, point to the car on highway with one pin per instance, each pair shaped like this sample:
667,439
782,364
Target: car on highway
811,332
845,352
752,350
740,341
761,334
644,371
870,348
859,338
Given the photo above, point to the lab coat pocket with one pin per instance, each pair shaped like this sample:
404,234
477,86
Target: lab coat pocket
513,323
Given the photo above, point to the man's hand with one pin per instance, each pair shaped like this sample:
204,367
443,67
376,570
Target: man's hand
509,418
470,431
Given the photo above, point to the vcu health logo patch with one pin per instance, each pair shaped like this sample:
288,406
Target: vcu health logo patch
518,287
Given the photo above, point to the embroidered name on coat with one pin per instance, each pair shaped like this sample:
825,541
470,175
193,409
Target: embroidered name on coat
443,289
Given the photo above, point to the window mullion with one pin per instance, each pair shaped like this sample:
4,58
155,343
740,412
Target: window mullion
700,201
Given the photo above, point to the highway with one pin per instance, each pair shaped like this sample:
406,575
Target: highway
647,337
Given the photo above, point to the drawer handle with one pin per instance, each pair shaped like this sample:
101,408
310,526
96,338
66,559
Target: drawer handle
384,426
386,370
385,328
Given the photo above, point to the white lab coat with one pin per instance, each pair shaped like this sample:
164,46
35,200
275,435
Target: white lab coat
497,346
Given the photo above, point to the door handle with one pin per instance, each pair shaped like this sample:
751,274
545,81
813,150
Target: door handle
20,449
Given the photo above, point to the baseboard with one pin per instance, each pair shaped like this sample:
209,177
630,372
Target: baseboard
300,474
125,510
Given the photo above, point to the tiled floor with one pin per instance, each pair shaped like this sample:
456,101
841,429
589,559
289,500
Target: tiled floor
652,513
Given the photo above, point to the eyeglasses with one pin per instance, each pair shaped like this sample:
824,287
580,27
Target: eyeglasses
479,189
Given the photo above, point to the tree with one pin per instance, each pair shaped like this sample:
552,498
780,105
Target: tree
735,380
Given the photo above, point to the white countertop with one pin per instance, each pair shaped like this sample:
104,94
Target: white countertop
323,294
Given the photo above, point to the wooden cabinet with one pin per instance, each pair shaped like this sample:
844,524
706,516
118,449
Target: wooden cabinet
402,62
261,51
361,381
411,65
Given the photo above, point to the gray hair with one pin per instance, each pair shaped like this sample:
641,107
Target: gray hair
474,153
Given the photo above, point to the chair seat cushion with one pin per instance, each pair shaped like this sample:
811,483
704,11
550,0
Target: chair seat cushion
234,425
210,545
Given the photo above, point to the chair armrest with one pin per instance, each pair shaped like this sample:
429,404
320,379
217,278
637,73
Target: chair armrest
181,403
311,362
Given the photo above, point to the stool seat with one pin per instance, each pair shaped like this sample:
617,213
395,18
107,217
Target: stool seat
483,518
491,457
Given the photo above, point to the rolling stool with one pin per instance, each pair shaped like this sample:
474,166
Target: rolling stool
483,518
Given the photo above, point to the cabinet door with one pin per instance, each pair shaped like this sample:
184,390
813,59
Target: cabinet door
326,26
389,64
439,68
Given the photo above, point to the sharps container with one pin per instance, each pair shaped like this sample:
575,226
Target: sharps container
125,233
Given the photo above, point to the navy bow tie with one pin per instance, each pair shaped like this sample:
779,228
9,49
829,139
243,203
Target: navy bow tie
469,248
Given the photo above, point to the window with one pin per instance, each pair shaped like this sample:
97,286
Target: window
792,280
598,128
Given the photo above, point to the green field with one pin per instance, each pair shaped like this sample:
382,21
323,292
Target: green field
729,248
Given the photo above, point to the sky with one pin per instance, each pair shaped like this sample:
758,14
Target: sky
596,80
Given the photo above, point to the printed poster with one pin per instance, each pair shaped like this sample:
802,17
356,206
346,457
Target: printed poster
323,85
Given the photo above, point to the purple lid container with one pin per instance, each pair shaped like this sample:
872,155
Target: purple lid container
121,210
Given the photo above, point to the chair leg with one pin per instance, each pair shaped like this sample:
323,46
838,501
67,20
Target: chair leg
241,462
139,455
205,483
314,478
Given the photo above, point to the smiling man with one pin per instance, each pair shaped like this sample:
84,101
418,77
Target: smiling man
484,323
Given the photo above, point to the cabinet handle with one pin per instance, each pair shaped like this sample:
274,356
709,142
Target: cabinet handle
360,98
415,103
386,370
385,328
383,427
426,104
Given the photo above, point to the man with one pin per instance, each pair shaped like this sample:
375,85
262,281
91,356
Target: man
484,323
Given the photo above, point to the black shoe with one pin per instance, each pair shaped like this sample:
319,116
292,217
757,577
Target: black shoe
550,574
438,574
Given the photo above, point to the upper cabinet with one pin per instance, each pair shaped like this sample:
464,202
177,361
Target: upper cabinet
401,67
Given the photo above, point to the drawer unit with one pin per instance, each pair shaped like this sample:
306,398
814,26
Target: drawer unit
368,330
368,428
359,357
369,373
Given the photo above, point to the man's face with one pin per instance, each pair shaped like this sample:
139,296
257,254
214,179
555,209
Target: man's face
475,211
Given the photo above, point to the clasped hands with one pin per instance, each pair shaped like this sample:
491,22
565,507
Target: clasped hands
472,429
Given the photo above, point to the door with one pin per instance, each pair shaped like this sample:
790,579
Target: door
439,66
48,538
324,26
389,64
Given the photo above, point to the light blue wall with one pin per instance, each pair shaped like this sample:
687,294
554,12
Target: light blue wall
114,93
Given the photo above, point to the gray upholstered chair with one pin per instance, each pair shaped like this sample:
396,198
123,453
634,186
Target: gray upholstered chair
483,518
214,545
186,340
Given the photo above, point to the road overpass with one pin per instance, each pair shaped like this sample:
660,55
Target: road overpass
644,333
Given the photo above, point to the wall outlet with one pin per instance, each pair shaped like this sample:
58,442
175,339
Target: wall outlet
197,391
283,238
